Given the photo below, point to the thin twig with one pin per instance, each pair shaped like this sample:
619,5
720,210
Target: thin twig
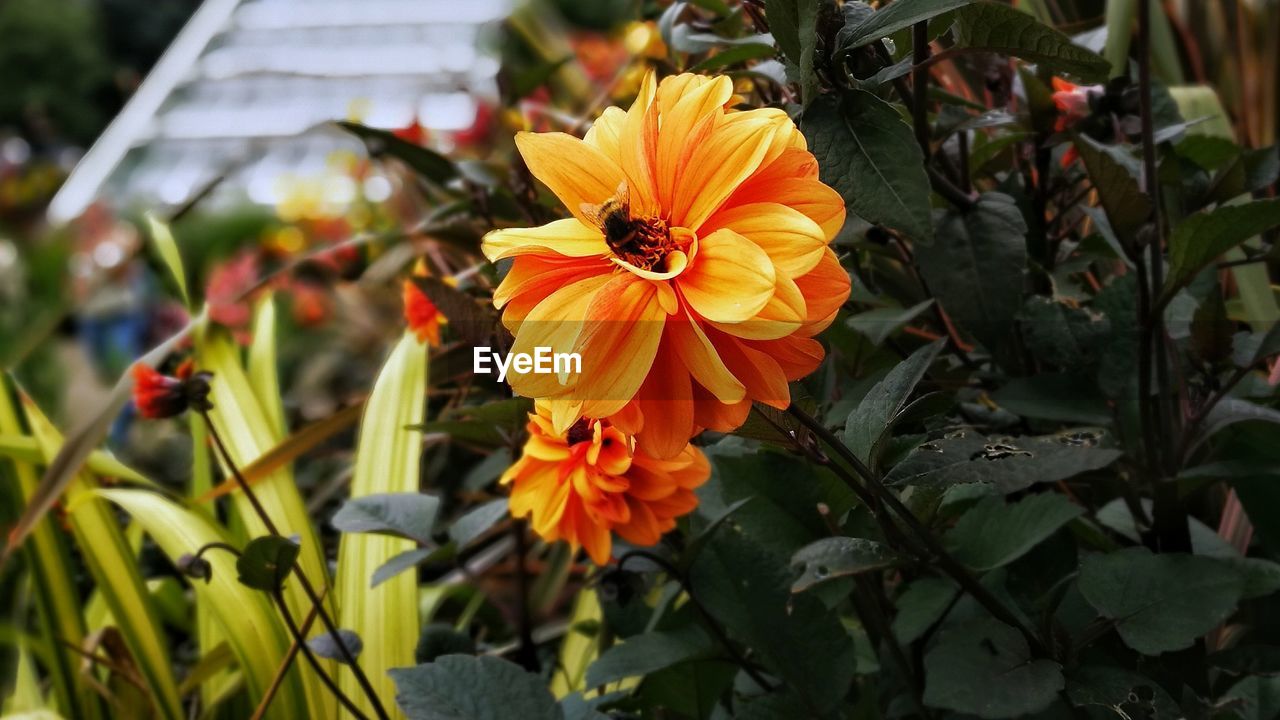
936,552
330,626
301,641
283,670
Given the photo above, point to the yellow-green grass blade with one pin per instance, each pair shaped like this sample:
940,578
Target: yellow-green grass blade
387,460
208,634
100,463
167,248
249,623
262,364
113,565
244,428
578,649
47,559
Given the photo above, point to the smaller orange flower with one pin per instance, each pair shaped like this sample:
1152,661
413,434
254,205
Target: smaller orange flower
583,485
1072,102
420,313
162,396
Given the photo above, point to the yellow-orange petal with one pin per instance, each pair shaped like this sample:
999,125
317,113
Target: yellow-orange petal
783,315
537,276
792,241
797,356
666,400
690,107
730,279
764,378
697,353
556,323
575,171
568,237
716,167
825,289
606,133
624,322
792,180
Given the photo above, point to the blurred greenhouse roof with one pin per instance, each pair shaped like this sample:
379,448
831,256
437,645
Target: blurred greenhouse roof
248,90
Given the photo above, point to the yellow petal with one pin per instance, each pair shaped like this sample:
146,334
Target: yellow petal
717,166
689,111
782,316
618,344
794,242
554,323
700,357
568,237
576,172
730,279
825,289
792,180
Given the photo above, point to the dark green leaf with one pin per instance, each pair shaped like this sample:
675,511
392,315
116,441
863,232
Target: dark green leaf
1232,410
477,522
870,156
427,163
835,557
880,323
898,15
985,668
1051,396
462,687
326,646
1010,464
706,532
1064,336
1211,331
1201,238
1124,691
1009,31
871,422
921,605
742,584
439,639
266,562
1248,660
1161,602
650,652
410,515
400,562
993,533
1114,172
733,56
975,267
794,23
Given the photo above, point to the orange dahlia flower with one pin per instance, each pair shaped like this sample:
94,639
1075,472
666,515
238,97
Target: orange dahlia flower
693,274
583,484
422,315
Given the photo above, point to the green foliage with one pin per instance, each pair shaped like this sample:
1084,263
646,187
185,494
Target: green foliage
999,28
458,687
266,562
985,668
867,153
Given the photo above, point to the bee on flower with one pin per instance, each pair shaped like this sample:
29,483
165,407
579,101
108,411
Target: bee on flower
586,483
694,272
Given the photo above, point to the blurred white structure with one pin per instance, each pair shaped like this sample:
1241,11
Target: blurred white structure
249,88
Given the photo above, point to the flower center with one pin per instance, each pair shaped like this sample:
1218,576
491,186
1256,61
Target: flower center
581,431
642,242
